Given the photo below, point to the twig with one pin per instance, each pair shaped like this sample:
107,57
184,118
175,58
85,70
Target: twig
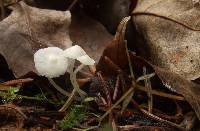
117,103
13,107
16,82
142,89
129,61
129,97
116,89
148,86
4,88
72,4
158,93
14,111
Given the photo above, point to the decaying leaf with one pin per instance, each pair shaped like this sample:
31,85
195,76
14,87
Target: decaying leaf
172,81
26,30
170,30
89,34
115,52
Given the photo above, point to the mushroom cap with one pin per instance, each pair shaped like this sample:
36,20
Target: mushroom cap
74,52
50,62
86,60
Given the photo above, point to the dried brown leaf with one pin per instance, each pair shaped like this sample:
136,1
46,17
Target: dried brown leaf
170,31
89,34
115,52
26,30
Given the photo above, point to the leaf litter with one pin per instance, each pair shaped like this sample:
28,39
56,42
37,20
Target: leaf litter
125,91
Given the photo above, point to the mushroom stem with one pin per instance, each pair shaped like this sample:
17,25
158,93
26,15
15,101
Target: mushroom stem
76,88
58,88
74,82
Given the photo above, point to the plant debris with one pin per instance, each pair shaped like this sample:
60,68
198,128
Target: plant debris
149,89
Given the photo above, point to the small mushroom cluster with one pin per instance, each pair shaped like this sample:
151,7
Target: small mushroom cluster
52,62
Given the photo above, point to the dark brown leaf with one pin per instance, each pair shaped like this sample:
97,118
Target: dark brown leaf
115,52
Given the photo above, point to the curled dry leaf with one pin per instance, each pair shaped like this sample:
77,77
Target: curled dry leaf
115,52
170,30
26,30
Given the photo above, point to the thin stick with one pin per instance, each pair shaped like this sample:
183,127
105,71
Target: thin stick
17,81
117,103
129,97
158,93
142,89
72,4
13,107
116,89
129,62
162,94
148,86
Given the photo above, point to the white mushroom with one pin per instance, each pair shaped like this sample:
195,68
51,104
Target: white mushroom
86,60
74,52
52,62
